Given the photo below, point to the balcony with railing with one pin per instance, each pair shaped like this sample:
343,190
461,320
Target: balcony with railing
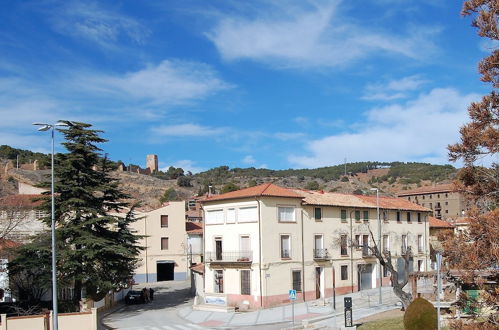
366,252
321,254
229,257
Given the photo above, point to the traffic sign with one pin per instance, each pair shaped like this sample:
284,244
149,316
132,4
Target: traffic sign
292,294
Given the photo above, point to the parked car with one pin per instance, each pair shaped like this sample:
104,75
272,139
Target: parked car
134,297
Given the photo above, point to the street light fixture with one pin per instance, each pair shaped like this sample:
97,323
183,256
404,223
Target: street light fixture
379,243
45,127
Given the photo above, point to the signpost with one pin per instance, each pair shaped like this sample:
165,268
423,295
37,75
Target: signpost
292,297
348,311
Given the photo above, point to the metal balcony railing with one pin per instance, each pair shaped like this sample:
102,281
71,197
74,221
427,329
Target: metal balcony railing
285,254
229,256
366,252
321,254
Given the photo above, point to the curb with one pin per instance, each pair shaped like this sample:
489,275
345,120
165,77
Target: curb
110,311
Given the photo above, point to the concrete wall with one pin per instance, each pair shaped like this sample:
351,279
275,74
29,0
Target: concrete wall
66,321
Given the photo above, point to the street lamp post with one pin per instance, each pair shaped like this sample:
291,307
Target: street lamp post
43,128
379,243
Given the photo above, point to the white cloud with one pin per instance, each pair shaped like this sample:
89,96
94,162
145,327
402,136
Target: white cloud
186,165
168,83
313,36
487,45
90,21
418,130
249,160
393,89
184,130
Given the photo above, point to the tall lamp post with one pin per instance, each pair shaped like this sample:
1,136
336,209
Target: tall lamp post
43,128
379,243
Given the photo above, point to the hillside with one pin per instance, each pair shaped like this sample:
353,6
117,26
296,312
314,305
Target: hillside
147,189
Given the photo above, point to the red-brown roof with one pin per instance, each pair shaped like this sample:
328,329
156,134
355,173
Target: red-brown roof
8,244
359,201
437,223
193,228
266,189
440,188
24,201
198,268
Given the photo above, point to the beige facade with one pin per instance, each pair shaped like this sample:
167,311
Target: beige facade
445,203
165,254
259,247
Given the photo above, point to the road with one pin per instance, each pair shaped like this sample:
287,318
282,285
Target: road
160,314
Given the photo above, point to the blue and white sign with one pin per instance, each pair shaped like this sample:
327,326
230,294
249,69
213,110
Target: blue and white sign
292,294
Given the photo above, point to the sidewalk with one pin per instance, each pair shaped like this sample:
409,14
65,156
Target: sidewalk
364,303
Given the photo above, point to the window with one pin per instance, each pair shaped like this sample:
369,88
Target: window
438,196
365,245
218,248
343,215
286,214
231,215
404,244
446,195
423,196
446,211
219,281
245,247
318,246
285,246
419,217
247,214
245,281
386,273
164,243
398,216
164,221
408,216
446,203
431,206
420,265
297,280
344,273
366,215
214,217
386,243
357,241
420,243
431,196
384,214
343,245
318,213
357,215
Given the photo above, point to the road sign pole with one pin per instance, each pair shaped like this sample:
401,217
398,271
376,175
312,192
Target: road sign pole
293,311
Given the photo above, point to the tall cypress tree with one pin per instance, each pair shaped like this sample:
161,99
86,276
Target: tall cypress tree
97,250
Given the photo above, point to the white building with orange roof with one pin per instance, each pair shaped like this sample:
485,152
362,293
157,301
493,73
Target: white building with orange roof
262,241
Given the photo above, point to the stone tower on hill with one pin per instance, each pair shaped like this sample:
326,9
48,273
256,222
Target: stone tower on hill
152,163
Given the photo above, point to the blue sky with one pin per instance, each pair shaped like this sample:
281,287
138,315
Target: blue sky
275,84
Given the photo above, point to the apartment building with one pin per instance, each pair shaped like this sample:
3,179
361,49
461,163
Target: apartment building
20,218
167,253
262,241
445,203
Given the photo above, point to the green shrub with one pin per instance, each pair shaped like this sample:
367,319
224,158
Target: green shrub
421,314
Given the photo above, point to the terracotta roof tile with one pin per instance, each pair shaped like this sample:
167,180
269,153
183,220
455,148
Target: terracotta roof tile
24,201
198,268
193,228
266,189
359,201
447,187
437,223
8,244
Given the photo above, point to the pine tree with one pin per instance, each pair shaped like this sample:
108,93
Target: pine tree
97,249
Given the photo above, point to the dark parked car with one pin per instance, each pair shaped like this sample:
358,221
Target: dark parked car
134,297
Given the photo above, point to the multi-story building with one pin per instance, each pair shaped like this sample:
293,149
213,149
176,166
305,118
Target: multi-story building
20,217
262,241
168,249
445,203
